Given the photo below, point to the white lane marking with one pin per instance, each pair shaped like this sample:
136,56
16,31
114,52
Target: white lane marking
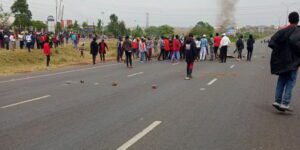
231,67
96,83
54,74
27,101
140,135
212,81
135,74
175,64
202,89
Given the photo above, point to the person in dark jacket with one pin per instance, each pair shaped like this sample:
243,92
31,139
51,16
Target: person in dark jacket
250,47
127,47
240,46
285,61
190,52
94,50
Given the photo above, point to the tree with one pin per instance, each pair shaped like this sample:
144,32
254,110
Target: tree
152,31
166,30
112,27
58,27
76,26
138,32
22,14
99,28
4,19
202,28
38,25
85,25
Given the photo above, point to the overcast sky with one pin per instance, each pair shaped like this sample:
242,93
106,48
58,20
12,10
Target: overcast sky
179,13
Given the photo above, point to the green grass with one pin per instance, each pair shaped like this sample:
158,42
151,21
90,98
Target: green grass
20,61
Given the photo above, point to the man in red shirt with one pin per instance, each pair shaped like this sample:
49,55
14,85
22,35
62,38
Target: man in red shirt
47,52
217,43
135,48
167,48
176,49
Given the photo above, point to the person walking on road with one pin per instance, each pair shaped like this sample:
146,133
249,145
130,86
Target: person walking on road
217,43
102,50
119,50
203,47
167,48
250,47
94,50
47,53
162,49
285,61
176,49
198,47
224,46
127,47
190,50
240,46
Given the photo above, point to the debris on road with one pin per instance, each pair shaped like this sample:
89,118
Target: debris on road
81,81
154,86
114,84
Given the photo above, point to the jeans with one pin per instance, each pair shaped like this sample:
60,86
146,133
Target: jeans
176,56
143,56
203,53
286,83
249,55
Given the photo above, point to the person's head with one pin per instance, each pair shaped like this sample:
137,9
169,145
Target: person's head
250,36
162,37
127,37
241,36
211,35
94,39
224,34
177,37
294,18
191,35
217,34
198,38
204,36
102,40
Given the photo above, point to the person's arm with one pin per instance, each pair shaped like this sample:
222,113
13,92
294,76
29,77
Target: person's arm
106,47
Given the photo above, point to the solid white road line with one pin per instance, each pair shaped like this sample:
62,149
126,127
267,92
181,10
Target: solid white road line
212,81
231,67
27,101
139,73
140,135
54,74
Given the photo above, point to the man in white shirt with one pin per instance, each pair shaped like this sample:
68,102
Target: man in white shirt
224,46
12,40
28,42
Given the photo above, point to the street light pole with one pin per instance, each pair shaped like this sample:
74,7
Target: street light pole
102,22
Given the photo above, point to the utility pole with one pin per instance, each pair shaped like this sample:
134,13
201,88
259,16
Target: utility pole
55,12
147,20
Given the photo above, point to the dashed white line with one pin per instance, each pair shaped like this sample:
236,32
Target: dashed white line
139,136
54,74
135,74
27,101
212,81
232,66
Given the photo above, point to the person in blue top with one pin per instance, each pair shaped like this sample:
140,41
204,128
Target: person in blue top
203,46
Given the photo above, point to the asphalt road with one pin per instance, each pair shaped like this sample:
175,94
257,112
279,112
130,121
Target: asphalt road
224,107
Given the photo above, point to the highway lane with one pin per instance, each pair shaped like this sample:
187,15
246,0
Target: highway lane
223,107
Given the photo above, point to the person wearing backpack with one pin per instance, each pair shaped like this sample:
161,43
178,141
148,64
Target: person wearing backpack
240,46
250,47
190,52
285,61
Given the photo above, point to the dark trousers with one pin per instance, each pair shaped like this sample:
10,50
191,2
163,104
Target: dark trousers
21,44
128,58
162,54
149,55
48,60
94,59
223,54
249,55
189,69
28,45
167,55
102,56
120,55
240,51
216,51
7,45
1,43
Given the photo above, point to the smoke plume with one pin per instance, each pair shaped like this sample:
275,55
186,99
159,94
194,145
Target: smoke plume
226,15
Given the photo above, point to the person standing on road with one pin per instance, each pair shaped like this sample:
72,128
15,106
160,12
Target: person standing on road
102,50
149,46
176,49
250,47
135,48
167,48
127,47
162,49
211,47
142,49
119,50
285,61
240,46
203,47
47,53
217,43
190,50
94,50
224,46
198,48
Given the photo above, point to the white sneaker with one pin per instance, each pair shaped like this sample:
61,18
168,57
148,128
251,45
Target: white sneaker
285,107
187,78
276,104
